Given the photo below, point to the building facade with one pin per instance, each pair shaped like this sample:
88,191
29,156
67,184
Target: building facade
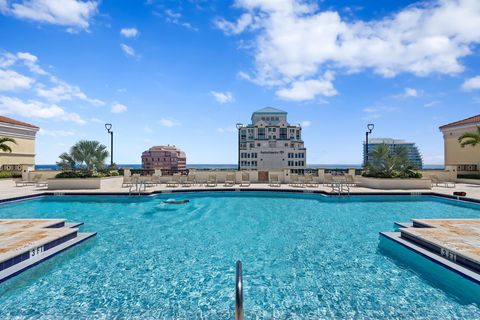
164,158
23,152
466,159
271,143
414,154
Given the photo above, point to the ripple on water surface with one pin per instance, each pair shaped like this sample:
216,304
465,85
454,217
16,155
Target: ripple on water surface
304,256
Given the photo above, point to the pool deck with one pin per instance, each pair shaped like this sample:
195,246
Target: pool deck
27,242
454,243
8,190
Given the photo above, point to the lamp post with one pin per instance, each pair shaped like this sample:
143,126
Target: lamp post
239,126
370,127
108,126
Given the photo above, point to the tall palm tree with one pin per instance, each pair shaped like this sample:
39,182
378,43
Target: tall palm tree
87,154
384,162
470,138
4,146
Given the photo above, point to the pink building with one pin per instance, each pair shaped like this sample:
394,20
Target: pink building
165,158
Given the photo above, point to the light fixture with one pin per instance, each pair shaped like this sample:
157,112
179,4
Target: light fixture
108,126
370,127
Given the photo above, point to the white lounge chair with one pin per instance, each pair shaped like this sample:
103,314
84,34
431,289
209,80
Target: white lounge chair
437,182
310,182
155,179
295,181
350,181
245,182
175,181
191,180
229,180
212,180
328,179
39,181
274,181
23,183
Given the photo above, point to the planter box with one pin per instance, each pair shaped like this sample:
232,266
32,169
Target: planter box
74,184
469,181
388,184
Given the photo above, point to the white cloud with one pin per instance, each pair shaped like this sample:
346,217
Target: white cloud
169,122
176,18
308,89
118,108
222,97
472,83
129,32
128,50
230,28
11,81
411,93
56,133
64,91
30,61
70,13
96,120
296,42
305,123
431,104
36,109
147,129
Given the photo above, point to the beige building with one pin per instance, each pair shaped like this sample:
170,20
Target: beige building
271,143
164,158
23,153
466,159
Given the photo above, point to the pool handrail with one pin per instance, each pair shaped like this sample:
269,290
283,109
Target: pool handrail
239,292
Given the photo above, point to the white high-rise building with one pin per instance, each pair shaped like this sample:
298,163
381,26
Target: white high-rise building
271,143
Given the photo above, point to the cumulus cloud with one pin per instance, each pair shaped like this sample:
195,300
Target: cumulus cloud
410,92
64,91
75,14
295,42
308,89
56,133
128,50
165,122
118,108
472,83
129,32
237,27
11,81
222,97
36,109
305,123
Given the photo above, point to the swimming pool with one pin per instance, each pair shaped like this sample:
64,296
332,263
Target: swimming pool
304,256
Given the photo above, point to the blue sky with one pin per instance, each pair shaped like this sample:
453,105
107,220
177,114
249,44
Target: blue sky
184,72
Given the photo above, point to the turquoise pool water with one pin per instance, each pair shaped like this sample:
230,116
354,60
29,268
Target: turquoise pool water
304,256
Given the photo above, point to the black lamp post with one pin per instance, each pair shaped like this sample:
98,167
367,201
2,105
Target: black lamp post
108,126
370,127
239,126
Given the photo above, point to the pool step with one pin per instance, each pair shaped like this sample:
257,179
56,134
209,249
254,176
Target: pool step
27,242
73,224
440,240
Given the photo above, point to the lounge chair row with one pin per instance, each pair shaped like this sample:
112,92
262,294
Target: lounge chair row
37,181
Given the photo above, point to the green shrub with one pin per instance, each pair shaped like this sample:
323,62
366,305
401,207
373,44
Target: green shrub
73,174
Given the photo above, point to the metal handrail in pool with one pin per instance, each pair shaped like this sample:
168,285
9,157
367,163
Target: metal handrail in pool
239,292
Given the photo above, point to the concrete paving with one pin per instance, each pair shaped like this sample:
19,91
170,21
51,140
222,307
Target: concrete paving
9,190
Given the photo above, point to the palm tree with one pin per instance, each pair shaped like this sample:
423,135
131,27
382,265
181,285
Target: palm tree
87,154
4,146
384,162
470,138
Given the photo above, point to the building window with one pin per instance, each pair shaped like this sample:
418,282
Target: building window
261,133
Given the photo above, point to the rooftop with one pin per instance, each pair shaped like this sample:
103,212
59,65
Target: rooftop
471,120
269,110
16,122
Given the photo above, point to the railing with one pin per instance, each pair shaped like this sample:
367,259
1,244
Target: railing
340,187
239,292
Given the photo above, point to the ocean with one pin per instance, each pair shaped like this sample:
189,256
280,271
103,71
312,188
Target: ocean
234,166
